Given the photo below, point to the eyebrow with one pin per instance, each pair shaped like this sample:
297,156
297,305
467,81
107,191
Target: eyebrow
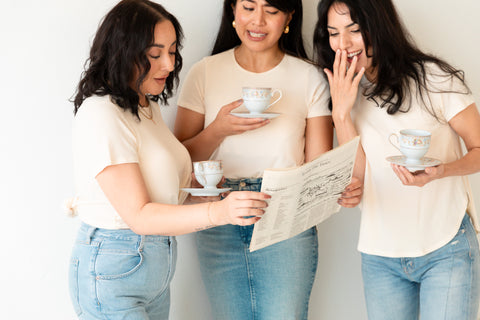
161,46
348,26
252,1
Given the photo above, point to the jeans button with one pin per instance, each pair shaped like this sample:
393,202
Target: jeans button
242,184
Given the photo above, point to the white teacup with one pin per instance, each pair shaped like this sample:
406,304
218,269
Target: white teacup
412,143
258,99
208,173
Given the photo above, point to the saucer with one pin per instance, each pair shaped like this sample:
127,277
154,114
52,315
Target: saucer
412,167
269,115
205,192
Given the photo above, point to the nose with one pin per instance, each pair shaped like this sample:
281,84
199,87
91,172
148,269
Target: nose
344,42
168,63
259,17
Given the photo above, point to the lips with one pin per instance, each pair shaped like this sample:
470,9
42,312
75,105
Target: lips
353,54
161,80
256,35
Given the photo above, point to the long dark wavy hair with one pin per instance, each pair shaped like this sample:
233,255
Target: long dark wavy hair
119,48
396,58
291,43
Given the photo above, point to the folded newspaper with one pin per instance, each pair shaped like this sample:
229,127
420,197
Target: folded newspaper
304,196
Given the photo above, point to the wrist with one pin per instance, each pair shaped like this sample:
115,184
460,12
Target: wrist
340,117
214,132
212,214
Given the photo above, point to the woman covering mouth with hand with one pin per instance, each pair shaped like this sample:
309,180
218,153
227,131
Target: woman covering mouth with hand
420,255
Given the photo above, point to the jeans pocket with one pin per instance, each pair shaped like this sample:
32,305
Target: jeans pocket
115,260
73,285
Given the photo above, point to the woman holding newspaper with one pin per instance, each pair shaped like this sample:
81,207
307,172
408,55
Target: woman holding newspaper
420,255
259,44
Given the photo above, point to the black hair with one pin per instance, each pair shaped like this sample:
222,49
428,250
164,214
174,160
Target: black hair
291,43
395,57
119,48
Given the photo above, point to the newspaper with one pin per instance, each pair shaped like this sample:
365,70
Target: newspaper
304,196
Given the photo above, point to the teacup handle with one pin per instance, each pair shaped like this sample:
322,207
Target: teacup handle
279,97
393,143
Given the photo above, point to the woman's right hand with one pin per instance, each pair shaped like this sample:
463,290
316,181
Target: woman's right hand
343,84
226,124
239,207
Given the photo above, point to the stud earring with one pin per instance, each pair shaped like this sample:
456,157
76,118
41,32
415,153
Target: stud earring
286,30
233,24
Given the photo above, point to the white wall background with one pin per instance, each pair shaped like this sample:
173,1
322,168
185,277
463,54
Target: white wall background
43,47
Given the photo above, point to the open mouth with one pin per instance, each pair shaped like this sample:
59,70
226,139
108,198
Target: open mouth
256,35
353,54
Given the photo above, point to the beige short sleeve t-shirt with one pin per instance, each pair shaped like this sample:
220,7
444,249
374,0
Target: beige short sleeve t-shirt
218,80
104,135
407,221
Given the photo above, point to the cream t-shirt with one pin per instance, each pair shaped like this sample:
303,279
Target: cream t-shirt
408,221
103,135
218,80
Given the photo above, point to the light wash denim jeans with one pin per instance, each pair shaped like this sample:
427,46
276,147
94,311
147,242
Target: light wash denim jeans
442,285
117,274
272,283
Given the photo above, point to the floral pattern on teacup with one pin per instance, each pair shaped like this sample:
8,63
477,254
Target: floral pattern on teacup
210,166
257,93
415,141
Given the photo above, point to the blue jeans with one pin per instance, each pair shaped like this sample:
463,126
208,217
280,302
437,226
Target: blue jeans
117,274
443,284
272,283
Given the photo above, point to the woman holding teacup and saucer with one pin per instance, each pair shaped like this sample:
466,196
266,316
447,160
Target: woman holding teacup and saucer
259,46
420,255
129,168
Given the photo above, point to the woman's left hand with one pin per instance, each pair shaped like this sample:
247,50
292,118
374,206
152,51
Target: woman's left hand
352,195
418,178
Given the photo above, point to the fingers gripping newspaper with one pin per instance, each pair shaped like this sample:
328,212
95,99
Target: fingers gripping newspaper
304,196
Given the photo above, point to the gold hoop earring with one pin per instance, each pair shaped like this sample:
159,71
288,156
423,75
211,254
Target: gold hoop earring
233,24
286,30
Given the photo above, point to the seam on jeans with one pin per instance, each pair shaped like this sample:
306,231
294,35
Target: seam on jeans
452,258
250,285
93,258
75,291
468,230
168,279
314,269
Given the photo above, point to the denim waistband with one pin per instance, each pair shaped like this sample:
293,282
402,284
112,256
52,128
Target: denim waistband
88,232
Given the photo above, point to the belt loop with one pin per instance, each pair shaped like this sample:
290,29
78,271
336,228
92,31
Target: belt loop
141,244
89,234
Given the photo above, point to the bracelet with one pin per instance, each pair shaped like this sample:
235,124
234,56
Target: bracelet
208,214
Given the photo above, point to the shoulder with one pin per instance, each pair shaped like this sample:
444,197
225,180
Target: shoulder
299,63
304,69
440,80
101,110
218,59
211,65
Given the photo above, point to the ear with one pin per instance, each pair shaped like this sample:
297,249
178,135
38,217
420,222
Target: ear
289,17
233,10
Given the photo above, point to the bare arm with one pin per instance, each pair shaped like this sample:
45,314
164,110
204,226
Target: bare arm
318,137
344,91
125,188
201,142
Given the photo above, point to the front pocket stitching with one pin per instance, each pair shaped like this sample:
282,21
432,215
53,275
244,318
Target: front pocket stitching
122,275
